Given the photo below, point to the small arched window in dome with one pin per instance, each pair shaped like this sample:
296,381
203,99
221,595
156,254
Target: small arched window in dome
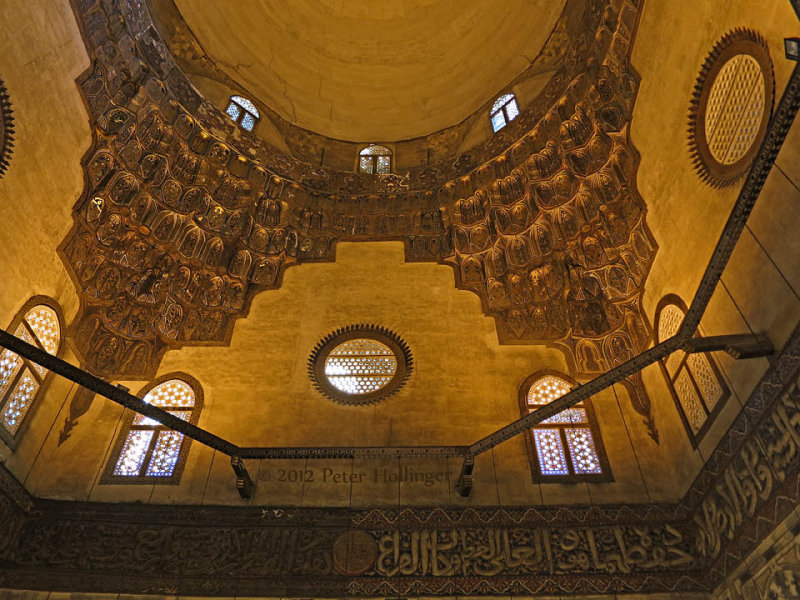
694,380
567,447
243,112
504,110
375,159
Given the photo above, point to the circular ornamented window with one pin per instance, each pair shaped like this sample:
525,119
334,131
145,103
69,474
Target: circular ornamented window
360,364
731,107
6,129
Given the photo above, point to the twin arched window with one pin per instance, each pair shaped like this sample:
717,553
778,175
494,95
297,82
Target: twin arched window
694,380
375,159
567,447
148,452
243,112
21,381
504,110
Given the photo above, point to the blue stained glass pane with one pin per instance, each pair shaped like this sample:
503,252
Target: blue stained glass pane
583,452
233,110
498,121
550,451
512,110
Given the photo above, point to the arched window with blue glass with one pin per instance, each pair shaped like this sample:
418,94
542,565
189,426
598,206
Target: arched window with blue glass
243,112
504,110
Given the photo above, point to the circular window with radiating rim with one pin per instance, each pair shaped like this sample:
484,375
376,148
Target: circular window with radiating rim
731,107
360,364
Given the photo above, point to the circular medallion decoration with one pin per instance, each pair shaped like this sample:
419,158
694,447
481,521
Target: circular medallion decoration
354,553
731,107
6,129
360,364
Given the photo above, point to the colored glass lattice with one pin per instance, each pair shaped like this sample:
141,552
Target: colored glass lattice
360,366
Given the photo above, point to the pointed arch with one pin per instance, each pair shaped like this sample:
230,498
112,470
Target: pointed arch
243,112
566,448
22,382
694,380
146,451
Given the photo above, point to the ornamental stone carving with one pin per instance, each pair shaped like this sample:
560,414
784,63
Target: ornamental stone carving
184,217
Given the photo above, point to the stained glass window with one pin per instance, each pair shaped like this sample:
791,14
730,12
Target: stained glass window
504,110
375,159
694,379
147,451
20,379
566,447
243,112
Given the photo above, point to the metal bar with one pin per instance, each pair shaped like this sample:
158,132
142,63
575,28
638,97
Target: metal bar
354,452
753,184
776,133
120,395
117,394
244,484
765,159
464,482
578,394
739,346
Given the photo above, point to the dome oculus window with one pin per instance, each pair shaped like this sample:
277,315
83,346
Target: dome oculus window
360,364
375,159
504,110
243,112
731,107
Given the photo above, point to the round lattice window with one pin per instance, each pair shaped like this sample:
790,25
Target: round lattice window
731,107
360,364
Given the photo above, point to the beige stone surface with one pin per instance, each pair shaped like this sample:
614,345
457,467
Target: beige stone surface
38,65
369,71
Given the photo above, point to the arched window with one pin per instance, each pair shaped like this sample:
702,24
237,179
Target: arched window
504,110
694,380
375,159
567,447
148,452
22,381
243,112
